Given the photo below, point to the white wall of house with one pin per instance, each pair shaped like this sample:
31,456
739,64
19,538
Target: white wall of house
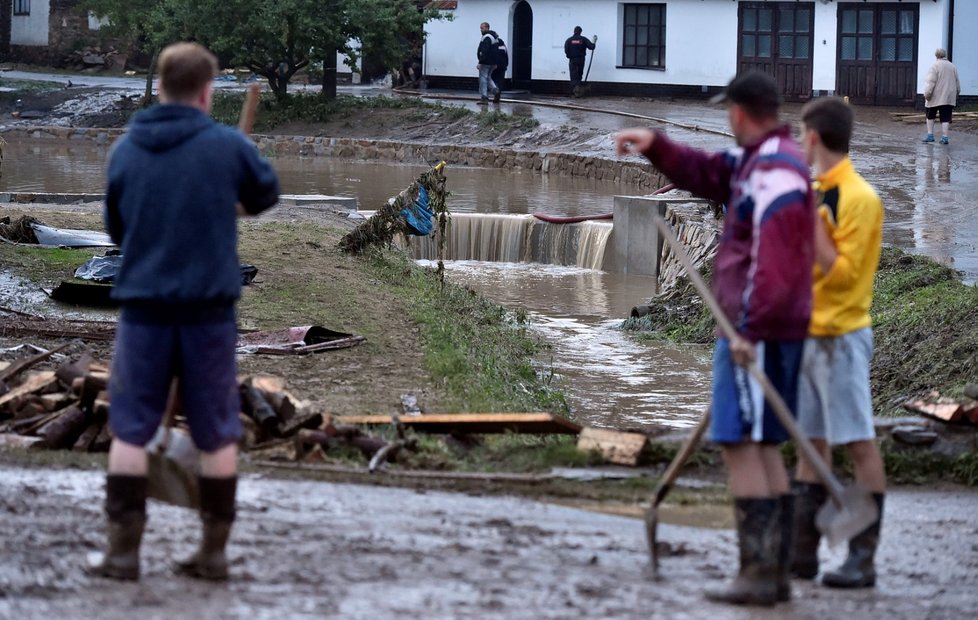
701,40
31,29
964,50
451,45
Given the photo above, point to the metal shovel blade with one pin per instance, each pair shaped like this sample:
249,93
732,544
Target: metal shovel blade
840,522
173,471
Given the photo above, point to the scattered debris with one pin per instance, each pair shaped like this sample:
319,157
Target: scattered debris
914,435
945,409
296,340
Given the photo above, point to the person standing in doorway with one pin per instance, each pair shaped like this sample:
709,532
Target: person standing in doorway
176,183
835,406
762,280
940,95
487,62
575,48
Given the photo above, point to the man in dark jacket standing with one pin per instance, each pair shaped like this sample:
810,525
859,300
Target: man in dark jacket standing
575,48
487,63
176,182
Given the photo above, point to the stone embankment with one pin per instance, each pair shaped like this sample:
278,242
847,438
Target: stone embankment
630,173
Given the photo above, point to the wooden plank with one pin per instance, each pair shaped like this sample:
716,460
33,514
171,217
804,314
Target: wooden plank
475,423
946,412
615,446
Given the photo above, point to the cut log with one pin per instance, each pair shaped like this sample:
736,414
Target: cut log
614,446
946,412
446,423
67,373
970,413
35,383
255,405
102,441
84,442
55,401
63,431
311,420
93,384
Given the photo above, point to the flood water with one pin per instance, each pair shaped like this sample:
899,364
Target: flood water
610,378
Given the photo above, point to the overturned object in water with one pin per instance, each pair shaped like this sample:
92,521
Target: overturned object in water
296,341
403,214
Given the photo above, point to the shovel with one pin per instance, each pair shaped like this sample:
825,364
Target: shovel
665,485
174,459
852,508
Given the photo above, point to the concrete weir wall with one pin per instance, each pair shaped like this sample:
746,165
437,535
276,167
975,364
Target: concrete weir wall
636,247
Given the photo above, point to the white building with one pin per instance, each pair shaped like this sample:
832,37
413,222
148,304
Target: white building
874,51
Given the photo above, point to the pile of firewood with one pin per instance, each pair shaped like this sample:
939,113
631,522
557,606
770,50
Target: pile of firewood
67,409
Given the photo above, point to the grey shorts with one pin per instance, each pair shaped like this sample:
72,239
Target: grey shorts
834,402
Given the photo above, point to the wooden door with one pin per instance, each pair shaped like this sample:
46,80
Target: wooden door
776,38
876,58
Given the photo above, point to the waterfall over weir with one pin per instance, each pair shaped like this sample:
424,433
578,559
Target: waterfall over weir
518,239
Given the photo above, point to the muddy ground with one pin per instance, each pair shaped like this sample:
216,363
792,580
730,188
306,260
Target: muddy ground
305,548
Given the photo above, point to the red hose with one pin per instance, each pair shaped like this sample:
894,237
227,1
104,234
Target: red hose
555,219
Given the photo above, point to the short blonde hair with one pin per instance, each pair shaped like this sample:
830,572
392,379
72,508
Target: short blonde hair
185,69
941,53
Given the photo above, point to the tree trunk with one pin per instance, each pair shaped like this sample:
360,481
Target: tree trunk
148,96
329,76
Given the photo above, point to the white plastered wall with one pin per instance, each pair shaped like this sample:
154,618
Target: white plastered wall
31,29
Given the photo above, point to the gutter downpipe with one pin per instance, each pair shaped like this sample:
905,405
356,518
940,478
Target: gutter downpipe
950,30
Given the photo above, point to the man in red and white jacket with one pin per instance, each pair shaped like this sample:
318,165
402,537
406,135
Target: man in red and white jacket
762,279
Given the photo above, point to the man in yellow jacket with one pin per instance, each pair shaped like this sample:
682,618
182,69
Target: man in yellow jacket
834,402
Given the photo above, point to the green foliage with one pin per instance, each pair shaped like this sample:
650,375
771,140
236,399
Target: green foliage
274,38
924,322
311,108
526,453
476,350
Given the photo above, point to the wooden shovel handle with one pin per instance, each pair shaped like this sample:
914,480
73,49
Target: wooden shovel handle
672,472
773,398
247,120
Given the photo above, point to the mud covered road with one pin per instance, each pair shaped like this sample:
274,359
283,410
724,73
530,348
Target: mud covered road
304,549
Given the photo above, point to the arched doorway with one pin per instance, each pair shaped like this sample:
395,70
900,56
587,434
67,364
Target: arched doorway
522,45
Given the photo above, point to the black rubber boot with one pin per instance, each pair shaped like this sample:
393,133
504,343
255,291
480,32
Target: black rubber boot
759,537
217,515
809,497
125,505
786,547
858,570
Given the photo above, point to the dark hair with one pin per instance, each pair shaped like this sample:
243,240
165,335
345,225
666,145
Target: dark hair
577,30
756,92
831,118
185,68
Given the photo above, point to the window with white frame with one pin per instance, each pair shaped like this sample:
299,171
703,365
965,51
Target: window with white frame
644,36
22,7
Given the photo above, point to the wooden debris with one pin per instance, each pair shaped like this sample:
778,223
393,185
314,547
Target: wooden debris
446,423
615,446
949,412
33,384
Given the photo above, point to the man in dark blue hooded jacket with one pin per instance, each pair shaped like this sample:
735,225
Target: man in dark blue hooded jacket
176,182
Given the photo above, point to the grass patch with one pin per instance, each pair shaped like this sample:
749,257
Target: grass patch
312,108
43,265
480,353
924,324
28,87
